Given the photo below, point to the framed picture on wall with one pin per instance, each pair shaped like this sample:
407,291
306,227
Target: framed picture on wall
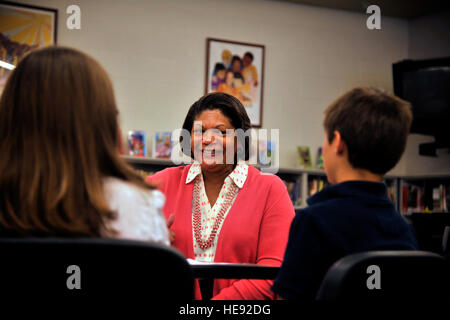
23,28
237,68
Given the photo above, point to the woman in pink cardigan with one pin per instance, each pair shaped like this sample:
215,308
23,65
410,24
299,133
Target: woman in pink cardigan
225,211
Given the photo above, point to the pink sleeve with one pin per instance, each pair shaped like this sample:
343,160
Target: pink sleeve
158,178
273,238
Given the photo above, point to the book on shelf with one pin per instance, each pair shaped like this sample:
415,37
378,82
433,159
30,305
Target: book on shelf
137,145
304,155
316,184
392,192
319,158
414,198
440,199
446,196
162,146
293,189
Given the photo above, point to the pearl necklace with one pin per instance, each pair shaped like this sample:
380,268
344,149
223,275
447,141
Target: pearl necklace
197,218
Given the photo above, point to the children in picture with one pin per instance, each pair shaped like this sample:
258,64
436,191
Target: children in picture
249,70
218,77
236,76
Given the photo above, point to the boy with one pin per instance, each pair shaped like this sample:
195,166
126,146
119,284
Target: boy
365,135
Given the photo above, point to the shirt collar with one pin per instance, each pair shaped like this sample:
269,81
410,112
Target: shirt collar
194,171
238,175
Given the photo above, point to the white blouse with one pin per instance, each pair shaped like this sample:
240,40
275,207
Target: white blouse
209,214
139,211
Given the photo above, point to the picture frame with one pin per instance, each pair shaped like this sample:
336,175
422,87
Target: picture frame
162,145
304,155
237,68
23,28
137,143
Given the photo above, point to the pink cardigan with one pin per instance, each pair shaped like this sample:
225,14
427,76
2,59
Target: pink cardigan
255,230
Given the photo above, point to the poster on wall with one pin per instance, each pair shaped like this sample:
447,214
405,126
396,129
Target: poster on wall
162,146
23,28
237,68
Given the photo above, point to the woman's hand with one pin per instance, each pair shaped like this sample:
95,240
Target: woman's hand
170,221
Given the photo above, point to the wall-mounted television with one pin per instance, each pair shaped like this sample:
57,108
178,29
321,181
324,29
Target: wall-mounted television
426,85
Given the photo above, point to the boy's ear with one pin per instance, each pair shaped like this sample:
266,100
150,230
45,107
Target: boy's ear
338,143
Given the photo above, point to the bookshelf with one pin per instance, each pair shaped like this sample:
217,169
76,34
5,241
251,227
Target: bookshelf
424,194
410,194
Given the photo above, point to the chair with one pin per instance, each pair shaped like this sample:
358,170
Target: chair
207,272
403,275
57,267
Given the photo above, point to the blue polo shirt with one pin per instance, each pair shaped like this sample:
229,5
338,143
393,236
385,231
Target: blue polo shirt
342,219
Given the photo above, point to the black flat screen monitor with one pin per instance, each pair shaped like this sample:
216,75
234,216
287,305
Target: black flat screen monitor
426,85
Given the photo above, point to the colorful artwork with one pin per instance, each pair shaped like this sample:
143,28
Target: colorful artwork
237,68
162,146
304,156
137,146
319,159
23,28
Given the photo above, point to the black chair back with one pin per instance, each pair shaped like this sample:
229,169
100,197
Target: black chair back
386,275
92,268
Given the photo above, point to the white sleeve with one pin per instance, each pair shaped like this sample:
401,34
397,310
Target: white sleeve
139,212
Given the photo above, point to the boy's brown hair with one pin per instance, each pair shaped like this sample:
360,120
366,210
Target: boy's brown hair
374,125
58,140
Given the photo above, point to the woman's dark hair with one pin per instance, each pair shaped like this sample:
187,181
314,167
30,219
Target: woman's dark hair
230,107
